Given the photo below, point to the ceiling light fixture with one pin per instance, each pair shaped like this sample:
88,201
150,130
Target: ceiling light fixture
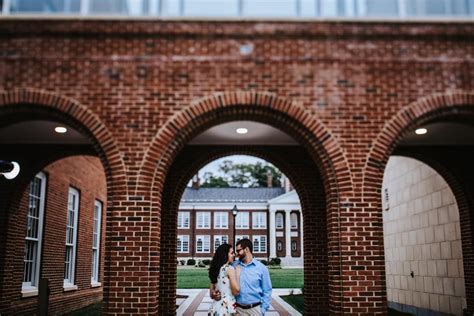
421,131
242,130
9,169
60,130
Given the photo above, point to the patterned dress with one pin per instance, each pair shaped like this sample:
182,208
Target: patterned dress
227,305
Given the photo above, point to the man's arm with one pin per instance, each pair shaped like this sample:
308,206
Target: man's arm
266,289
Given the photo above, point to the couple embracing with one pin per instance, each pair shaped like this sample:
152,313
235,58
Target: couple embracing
240,287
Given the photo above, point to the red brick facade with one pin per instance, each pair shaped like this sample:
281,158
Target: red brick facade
85,174
346,91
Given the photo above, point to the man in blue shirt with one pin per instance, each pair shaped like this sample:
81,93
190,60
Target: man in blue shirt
255,284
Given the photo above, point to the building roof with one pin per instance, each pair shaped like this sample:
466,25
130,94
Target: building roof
231,194
290,197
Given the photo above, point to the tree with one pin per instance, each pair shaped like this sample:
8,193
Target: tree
242,175
211,181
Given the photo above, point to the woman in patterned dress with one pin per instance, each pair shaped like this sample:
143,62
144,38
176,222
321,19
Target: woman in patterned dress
225,279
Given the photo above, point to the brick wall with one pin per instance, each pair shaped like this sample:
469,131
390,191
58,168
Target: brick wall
85,173
422,235
346,91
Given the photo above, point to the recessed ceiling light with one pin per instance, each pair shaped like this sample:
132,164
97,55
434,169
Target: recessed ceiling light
421,131
60,130
242,130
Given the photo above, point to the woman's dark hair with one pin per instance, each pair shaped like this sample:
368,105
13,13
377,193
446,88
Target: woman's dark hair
220,258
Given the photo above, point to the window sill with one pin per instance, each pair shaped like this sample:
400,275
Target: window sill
68,288
96,284
29,293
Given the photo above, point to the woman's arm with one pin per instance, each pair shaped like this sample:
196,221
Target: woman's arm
234,278
213,293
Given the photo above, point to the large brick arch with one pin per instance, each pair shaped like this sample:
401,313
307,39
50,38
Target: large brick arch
266,108
204,113
21,104
294,162
453,107
27,101
423,111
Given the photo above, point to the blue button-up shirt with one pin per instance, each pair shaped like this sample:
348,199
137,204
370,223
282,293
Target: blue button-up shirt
255,284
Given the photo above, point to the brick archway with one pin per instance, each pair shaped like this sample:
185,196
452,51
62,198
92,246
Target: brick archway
452,107
48,104
294,162
24,104
417,113
261,107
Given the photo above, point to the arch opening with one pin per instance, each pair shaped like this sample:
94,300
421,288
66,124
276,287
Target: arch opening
435,196
56,209
301,163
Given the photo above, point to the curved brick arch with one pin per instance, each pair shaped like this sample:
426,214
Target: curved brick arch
266,108
300,169
417,113
194,119
453,107
24,103
78,116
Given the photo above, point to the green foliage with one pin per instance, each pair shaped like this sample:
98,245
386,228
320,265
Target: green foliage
264,262
275,261
242,175
191,262
211,181
206,262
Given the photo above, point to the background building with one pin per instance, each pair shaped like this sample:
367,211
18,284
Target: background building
269,217
57,235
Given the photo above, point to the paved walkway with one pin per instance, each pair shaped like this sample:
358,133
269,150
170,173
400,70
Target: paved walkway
198,302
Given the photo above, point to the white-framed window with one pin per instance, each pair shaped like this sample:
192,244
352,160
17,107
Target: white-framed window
293,245
259,220
96,241
240,237
294,220
183,243
203,220
279,220
279,245
259,243
242,220
183,219
203,243
219,240
34,232
221,220
71,237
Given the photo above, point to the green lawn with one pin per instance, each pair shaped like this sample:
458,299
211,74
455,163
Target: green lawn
198,278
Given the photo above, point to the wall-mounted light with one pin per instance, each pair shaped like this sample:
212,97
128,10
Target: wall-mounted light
421,131
242,130
60,129
9,170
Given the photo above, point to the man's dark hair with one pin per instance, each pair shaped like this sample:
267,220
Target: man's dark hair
245,243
